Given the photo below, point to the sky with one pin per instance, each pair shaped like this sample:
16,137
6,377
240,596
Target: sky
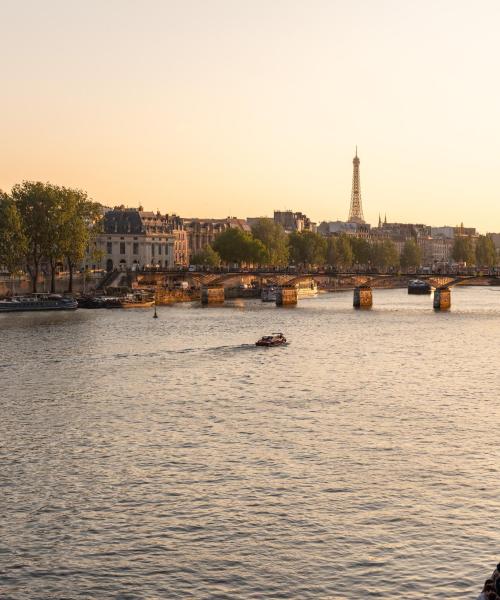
216,108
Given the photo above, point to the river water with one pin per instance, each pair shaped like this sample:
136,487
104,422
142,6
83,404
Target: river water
171,458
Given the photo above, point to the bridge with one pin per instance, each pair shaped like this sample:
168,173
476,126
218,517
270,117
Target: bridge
326,279
213,287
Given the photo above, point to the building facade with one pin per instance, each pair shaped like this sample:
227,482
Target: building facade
293,221
133,239
202,232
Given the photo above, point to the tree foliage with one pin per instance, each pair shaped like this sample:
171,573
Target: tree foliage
339,253
207,257
411,256
362,251
275,240
35,201
237,246
12,239
81,221
486,255
307,248
384,255
57,223
463,250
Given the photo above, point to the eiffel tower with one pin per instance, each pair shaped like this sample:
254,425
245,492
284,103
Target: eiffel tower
356,210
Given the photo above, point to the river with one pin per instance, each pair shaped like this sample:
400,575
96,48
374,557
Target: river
171,458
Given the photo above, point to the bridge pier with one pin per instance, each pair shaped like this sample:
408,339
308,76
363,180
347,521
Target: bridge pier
286,296
363,297
442,298
212,294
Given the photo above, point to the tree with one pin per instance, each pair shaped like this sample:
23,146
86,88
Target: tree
57,233
362,251
339,252
12,239
307,248
385,254
207,257
486,255
58,223
411,256
81,221
463,250
256,252
35,203
237,246
274,238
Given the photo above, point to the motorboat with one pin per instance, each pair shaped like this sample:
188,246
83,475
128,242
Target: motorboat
35,302
418,286
276,339
137,303
137,300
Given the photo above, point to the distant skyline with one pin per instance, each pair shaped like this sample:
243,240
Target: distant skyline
213,108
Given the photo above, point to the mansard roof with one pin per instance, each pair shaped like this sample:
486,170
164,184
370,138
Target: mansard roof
132,221
123,221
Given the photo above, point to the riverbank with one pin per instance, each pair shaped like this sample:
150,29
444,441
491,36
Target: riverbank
23,285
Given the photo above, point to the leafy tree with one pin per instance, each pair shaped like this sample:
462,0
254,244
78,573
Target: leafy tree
344,252
307,248
81,221
207,257
411,256
385,254
486,255
58,234
35,202
339,252
362,251
274,238
237,246
463,250
12,239
57,223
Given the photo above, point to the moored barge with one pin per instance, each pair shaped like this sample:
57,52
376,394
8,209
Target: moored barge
36,302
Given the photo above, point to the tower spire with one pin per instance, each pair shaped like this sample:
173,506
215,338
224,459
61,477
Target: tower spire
356,209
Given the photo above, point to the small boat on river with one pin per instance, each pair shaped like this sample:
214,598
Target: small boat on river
276,339
268,293
127,303
36,302
137,300
417,286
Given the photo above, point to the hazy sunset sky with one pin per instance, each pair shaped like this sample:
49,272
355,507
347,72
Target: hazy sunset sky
232,107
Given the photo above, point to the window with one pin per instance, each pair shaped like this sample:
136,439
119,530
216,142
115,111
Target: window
152,249
122,247
135,248
109,247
